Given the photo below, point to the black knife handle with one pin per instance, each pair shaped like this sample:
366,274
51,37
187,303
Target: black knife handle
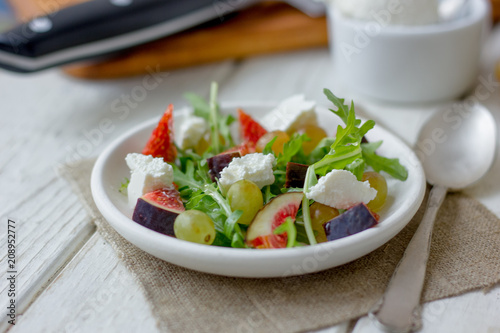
92,21
100,27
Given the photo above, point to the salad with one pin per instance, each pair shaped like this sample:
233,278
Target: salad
283,183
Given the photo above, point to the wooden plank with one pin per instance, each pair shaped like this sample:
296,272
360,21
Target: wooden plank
275,77
472,312
62,121
298,72
66,309
90,296
104,298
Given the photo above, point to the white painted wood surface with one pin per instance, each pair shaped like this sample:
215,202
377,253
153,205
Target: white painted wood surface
48,119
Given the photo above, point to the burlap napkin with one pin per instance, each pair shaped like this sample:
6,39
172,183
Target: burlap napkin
464,256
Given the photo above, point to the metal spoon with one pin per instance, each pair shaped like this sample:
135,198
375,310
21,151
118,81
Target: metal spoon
456,147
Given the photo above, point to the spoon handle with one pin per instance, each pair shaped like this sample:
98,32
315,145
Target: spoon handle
398,310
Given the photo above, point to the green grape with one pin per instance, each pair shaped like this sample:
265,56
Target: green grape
245,195
378,182
320,214
194,226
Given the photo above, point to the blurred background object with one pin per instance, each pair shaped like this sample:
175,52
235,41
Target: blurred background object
396,57
266,27
263,28
495,9
6,18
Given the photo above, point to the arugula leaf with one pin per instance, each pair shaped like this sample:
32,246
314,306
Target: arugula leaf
220,131
213,191
202,172
291,149
214,123
320,151
268,149
338,158
347,145
301,234
380,163
238,240
357,168
186,178
309,182
124,186
233,231
287,227
201,194
200,106
342,109
221,240
267,194
225,122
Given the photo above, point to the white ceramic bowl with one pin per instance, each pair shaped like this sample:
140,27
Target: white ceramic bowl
408,64
403,201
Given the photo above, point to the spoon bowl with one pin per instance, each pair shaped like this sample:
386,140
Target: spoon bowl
456,147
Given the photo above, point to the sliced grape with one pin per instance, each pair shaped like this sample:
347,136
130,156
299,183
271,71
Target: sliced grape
202,145
245,195
378,182
320,214
194,226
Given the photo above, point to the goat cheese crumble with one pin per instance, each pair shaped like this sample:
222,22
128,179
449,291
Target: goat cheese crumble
340,189
291,113
256,167
148,174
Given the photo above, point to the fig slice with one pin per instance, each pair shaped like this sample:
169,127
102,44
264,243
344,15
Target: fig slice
295,174
158,210
217,163
352,221
260,232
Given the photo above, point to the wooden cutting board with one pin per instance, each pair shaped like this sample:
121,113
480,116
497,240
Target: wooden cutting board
264,28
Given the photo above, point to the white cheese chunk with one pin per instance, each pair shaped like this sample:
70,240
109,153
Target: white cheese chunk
340,189
147,174
188,129
256,167
291,113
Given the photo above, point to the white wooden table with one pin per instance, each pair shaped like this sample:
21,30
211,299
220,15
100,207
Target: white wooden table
69,279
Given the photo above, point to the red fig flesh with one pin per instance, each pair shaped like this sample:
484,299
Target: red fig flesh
260,232
158,210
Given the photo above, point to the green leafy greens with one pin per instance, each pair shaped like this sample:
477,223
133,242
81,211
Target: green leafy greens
347,152
124,186
344,151
220,132
191,175
288,227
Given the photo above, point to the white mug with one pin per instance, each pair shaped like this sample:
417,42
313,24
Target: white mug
408,64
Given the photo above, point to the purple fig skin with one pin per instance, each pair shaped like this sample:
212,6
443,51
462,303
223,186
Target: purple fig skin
159,219
352,221
218,162
295,174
